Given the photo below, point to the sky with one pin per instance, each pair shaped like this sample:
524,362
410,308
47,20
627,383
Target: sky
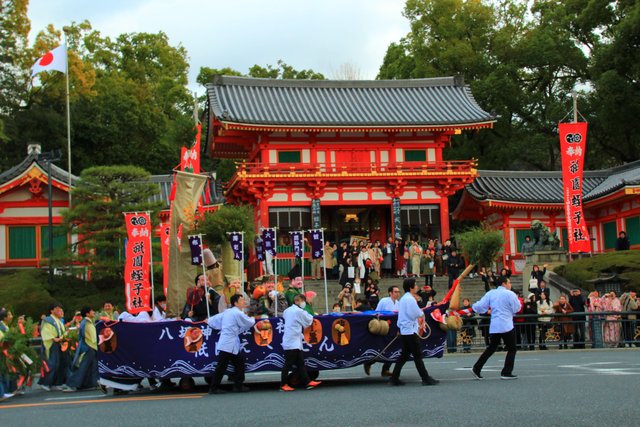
320,35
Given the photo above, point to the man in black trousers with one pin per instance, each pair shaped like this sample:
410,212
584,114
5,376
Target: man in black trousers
504,305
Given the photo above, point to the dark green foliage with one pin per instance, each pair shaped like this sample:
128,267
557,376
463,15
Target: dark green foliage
226,219
522,60
23,291
480,246
99,200
624,263
27,292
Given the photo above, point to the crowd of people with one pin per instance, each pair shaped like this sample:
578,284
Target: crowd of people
363,259
236,308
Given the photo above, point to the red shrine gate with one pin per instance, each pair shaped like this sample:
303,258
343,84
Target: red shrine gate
353,157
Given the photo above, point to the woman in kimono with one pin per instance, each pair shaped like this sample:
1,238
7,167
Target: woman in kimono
375,254
416,255
398,256
611,328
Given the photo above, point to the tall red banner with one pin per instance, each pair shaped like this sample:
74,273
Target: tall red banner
137,286
191,157
164,246
573,140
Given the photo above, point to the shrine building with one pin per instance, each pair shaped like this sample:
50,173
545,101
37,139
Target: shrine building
510,200
353,157
24,212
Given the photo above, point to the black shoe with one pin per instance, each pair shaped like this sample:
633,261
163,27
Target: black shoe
215,390
430,381
367,368
241,389
476,374
395,382
508,377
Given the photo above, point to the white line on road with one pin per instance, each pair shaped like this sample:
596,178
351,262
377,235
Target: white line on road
99,396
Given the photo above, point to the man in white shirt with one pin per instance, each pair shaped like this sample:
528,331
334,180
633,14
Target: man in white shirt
504,305
295,320
231,324
389,303
408,315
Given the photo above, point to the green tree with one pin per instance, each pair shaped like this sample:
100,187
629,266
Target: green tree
14,77
523,60
228,218
101,196
615,74
128,95
283,71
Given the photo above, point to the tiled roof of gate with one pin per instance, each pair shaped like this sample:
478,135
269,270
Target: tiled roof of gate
56,172
546,187
345,103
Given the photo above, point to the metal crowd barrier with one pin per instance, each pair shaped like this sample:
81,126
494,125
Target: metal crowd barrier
597,330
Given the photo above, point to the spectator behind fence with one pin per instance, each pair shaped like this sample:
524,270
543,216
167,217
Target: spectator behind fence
489,279
531,310
542,289
578,303
611,328
544,309
565,326
629,302
537,275
469,323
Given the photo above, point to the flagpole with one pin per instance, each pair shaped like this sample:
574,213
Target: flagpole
68,117
326,292
204,273
302,261
152,302
242,264
275,264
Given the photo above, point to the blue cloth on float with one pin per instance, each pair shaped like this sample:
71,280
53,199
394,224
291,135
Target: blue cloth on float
174,349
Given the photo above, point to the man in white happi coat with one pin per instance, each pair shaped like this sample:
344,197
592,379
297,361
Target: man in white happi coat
295,320
231,324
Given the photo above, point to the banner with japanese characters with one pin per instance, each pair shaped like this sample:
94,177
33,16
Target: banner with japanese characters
573,139
195,244
297,242
236,242
316,244
164,250
258,244
269,241
138,261
130,351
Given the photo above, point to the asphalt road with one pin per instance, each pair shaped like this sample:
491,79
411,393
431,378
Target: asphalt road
554,388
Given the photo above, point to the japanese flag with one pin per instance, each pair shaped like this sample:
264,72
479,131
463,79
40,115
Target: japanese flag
53,60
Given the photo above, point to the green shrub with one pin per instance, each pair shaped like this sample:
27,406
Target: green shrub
625,263
28,292
480,246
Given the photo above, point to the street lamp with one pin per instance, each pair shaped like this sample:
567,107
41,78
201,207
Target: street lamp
48,158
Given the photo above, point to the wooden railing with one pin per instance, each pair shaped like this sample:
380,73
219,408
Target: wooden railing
360,169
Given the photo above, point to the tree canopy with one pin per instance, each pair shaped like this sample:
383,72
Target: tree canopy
523,60
101,196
